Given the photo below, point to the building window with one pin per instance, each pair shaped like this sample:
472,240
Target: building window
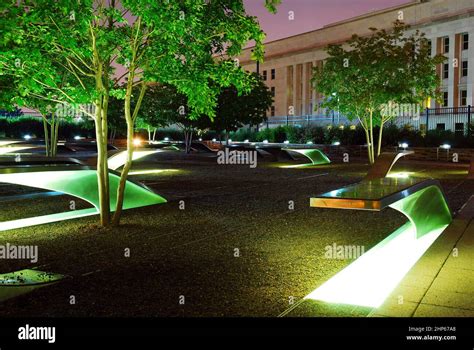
464,70
459,128
465,41
273,91
445,99
446,44
463,98
430,46
273,74
440,126
446,71
265,75
272,111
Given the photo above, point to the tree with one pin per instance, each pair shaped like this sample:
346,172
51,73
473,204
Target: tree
376,73
188,44
236,110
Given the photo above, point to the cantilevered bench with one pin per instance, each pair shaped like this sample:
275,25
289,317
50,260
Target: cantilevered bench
316,156
77,181
116,159
369,279
384,163
421,201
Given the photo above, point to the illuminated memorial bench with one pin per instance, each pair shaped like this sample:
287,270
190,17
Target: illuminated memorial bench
384,163
116,159
316,156
16,283
373,276
77,181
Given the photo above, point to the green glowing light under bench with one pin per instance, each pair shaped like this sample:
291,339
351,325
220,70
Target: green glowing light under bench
13,284
316,156
80,182
13,149
119,159
370,279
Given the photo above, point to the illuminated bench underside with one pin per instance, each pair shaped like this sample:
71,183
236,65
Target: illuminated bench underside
371,278
77,181
13,284
115,161
314,155
384,163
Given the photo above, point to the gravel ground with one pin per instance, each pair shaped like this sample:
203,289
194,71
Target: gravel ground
191,253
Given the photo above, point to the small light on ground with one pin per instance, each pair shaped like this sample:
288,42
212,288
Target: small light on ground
309,142
446,146
166,139
137,142
286,142
77,137
336,143
265,141
27,137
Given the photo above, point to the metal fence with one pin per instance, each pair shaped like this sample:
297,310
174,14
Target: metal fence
455,119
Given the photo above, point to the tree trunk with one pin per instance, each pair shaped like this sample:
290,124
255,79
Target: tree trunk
371,133
130,119
154,134
102,176
46,136
367,137
379,146
125,170
188,139
54,137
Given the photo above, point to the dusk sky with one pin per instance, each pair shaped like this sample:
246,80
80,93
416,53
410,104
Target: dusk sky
311,14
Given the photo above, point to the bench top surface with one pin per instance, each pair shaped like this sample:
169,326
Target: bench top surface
371,195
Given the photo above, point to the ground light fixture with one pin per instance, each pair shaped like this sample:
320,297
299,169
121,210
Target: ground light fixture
214,140
77,137
336,143
403,145
309,142
137,142
445,146
166,139
286,142
265,141
246,141
27,137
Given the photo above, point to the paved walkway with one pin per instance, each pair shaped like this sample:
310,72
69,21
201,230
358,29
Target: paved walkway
441,284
